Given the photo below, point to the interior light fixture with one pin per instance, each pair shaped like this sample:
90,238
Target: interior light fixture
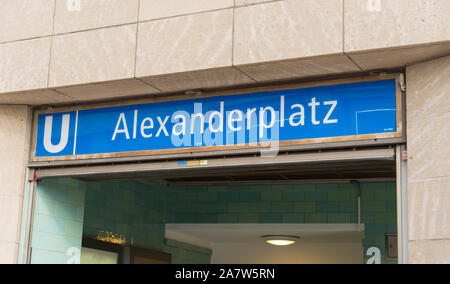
280,240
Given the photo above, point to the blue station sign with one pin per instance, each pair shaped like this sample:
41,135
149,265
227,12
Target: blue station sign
346,112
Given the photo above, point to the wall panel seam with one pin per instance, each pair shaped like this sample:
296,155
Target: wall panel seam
51,46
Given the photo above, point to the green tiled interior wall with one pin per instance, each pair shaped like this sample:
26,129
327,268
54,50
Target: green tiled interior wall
57,221
135,212
187,254
130,210
301,204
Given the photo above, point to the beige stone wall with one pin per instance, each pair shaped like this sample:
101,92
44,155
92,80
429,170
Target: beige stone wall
15,129
428,97
58,51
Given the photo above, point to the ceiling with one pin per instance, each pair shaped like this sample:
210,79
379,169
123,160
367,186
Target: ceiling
207,235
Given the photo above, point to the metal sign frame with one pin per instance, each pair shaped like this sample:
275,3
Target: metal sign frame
309,143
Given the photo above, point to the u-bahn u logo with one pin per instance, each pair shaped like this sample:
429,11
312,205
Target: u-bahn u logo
64,138
56,134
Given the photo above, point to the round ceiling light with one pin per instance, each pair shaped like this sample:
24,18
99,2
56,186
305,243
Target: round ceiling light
280,240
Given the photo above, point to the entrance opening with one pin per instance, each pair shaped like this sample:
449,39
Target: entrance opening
337,212
247,243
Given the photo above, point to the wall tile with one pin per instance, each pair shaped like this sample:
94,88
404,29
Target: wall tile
108,90
386,218
282,207
73,229
13,170
227,218
301,68
94,14
58,222
429,252
68,211
294,218
287,30
9,253
248,218
305,207
228,196
157,9
53,242
14,136
282,187
374,206
260,207
304,187
270,218
10,218
375,229
349,207
339,218
327,187
107,55
316,218
188,43
44,206
293,196
342,195
316,196
216,207
52,191
328,207
48,224
428,149
429,213
399,57
428,89
395,23
35,97
238,207
24,65
48,257
24,19
205,79
271,196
